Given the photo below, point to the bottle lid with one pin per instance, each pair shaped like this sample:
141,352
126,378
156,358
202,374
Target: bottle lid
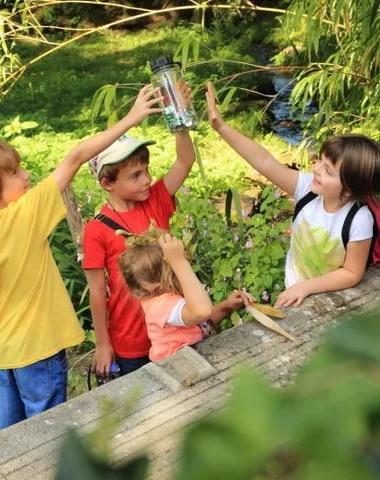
163,62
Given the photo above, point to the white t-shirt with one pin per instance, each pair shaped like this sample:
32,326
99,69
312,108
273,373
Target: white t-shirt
175,317
316,246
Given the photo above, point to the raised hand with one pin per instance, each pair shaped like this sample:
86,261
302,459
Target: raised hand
145,104
214,116
186,93
172,248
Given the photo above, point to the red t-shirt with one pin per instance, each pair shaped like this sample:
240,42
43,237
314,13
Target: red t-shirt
102,248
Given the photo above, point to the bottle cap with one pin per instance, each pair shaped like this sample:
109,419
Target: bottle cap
156,65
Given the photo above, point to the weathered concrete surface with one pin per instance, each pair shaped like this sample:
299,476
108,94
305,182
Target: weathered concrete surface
28,450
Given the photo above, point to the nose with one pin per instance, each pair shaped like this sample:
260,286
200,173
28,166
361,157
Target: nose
147,178
316,166
26,174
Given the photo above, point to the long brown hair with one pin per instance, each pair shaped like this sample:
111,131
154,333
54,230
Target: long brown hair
146,272
360,168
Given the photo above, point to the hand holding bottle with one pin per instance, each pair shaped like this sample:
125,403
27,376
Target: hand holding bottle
145,104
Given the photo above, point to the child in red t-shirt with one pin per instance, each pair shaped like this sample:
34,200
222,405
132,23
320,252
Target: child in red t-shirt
123,171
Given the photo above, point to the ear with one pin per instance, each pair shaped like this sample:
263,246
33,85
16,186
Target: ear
107,184
345,195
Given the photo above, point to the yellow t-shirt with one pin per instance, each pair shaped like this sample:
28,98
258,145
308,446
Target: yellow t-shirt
37,318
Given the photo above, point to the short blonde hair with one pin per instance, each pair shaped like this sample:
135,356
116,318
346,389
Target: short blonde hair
9,159
146,272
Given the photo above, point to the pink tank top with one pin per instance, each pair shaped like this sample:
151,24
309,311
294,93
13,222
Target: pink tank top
166,339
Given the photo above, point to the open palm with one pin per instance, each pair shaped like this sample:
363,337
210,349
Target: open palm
213,112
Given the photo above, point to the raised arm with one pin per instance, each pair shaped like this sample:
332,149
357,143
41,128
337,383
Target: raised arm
143,106
185,157
256,155
198,307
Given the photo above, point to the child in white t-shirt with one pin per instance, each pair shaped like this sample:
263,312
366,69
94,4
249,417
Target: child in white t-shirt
347,172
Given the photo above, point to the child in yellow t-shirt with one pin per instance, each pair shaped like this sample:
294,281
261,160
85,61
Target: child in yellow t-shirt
37,320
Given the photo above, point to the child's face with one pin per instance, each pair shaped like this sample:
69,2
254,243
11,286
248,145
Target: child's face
326,181
14,185
132,183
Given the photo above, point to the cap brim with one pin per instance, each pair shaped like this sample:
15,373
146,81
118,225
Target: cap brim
125,155
143,143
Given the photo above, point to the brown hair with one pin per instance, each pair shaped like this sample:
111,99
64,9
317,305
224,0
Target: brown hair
360,168
146,272
111,171
9,159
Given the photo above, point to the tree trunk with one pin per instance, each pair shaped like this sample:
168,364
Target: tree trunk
74,219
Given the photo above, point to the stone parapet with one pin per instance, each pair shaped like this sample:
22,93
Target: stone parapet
178,390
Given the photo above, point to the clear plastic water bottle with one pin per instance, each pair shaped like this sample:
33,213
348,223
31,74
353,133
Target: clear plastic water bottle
167,75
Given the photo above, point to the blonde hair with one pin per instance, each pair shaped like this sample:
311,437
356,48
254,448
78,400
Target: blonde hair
146,272
9,159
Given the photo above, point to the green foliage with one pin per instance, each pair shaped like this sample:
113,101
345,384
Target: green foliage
340,43
76,462
324,426
248,252
16,127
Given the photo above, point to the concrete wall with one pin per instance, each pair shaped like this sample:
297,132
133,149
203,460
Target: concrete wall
180,389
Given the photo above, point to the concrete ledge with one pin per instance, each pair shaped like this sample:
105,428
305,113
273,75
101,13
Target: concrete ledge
28,450
186,368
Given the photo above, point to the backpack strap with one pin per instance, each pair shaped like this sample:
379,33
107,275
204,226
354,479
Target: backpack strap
110,223
347,223
375,238
302,202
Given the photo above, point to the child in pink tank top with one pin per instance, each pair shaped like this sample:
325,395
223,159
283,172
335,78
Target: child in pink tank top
178,310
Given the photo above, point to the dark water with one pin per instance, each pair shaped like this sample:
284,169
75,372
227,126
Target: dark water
287,124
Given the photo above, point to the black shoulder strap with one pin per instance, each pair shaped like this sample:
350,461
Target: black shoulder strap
110,223
302,202
347,223
374,237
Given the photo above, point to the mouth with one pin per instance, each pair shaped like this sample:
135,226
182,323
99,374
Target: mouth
316,181
145,192
28,186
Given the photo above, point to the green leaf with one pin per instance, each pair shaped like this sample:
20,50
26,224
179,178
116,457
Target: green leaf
28,125
109,98
227,99
195,45
198,157
77,463
185,51
226,270
97,101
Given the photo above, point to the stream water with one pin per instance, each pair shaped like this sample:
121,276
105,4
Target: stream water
286,123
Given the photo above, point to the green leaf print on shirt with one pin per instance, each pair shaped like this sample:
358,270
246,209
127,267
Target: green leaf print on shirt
315,252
